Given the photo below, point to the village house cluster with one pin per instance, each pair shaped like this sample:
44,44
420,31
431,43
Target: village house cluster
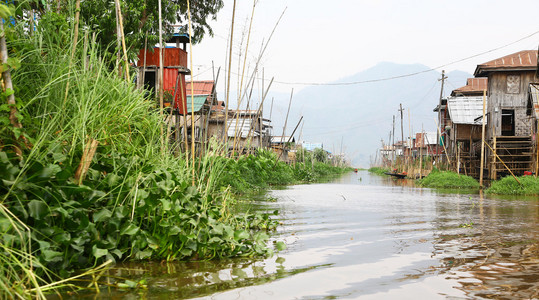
501,101
196,115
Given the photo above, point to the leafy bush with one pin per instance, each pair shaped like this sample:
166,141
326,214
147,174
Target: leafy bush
509,186
379,170
446,179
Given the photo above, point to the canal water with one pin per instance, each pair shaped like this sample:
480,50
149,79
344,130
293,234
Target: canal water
364,236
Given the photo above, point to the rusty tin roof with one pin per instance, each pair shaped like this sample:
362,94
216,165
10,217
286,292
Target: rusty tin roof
200,87
522,61
474,86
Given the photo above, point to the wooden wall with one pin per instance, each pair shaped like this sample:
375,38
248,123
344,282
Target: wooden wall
509,90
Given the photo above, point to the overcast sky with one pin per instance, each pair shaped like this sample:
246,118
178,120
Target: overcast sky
323,41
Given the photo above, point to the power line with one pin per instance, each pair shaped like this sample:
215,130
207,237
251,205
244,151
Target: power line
405,75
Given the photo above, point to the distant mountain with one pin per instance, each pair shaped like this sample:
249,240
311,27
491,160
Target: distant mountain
360,115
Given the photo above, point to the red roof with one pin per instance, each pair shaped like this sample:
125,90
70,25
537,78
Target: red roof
523,60
473,86
202,87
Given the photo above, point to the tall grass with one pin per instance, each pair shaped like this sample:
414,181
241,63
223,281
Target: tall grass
136,201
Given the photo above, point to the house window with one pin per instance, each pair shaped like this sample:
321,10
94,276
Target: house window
513,84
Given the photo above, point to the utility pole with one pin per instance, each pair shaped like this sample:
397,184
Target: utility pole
393,142
402,132
438,136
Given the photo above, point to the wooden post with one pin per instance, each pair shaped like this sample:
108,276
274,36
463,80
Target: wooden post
537,149
421,152
458,158
482,140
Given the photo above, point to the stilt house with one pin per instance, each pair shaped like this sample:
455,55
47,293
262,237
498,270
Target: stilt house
465,107
511,123
174,71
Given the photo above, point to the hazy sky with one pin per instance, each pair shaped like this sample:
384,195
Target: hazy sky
323,41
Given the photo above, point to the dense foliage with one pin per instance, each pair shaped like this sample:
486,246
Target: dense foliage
447,179
262,170
529,185
137,200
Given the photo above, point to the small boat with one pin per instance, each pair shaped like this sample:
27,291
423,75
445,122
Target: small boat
397,174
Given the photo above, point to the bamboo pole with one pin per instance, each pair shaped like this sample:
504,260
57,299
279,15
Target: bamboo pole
225,125
192,92
121,32
145,54
259,109
73,49
243,70
262,51
482,162
496,155
287,112
443,143
290,138
160,76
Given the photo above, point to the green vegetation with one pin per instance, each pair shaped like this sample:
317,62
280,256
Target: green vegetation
379,170
135,200
87,177
254,172
448,180
509,186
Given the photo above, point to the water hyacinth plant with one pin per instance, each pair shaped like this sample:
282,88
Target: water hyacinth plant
95,182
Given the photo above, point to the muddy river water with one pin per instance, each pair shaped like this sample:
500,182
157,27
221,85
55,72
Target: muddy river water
364,236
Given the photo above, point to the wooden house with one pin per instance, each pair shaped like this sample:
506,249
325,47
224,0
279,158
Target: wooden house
201,98
279,145
247,130
174,71
463,135
510,121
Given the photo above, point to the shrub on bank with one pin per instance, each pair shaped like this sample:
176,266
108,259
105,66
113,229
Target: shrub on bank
449,180
509,186
379,170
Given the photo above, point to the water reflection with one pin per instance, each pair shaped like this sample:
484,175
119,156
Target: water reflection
369,237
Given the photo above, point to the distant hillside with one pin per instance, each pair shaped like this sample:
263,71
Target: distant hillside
361,114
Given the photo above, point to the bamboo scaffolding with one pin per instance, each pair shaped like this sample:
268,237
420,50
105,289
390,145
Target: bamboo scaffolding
506,167
244,64
259,109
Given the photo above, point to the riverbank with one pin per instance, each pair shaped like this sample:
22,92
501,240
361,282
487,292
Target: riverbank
88,178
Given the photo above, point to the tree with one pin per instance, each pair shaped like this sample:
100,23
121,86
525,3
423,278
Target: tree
140,20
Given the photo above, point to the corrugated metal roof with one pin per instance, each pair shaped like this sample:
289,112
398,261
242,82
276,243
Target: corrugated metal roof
200,87
282,139
198,101
473,86
242,127
526,59
430,138
534,95
463,110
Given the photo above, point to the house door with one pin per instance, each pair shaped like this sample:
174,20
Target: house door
508,122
